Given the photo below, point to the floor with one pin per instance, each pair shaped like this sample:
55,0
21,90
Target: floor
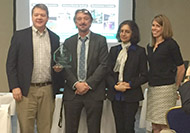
137,129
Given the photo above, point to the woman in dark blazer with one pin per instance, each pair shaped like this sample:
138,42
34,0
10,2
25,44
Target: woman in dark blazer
127,64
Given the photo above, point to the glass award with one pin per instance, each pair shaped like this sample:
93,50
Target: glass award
62,57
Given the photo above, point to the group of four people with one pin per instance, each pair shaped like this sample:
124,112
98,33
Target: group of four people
34,78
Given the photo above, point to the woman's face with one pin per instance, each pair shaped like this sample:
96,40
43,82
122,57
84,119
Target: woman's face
125,33
157,29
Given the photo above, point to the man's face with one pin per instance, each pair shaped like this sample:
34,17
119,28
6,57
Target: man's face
83,22
39,18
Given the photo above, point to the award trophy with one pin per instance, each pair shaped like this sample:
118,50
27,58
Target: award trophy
62,57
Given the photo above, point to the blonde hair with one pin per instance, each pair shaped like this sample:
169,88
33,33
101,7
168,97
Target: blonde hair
166,25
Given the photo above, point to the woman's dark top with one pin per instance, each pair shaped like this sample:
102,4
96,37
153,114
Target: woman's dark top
163,62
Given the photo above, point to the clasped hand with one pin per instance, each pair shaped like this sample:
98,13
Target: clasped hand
81,88
122,86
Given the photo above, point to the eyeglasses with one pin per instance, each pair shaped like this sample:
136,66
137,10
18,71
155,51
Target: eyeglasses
83,11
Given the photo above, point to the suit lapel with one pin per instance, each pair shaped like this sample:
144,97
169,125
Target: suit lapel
91,48
73,50
28,37
53,48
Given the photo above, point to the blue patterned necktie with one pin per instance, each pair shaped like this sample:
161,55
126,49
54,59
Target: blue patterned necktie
82,71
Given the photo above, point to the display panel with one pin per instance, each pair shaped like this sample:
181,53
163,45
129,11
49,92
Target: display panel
107,14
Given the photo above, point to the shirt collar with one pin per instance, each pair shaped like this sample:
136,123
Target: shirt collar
126,45
131,47
88,35
37,31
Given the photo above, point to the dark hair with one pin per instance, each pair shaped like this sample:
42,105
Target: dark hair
85,11
41,6
135,37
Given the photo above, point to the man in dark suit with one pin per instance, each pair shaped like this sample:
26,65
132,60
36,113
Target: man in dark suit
30,75
85,87
184,91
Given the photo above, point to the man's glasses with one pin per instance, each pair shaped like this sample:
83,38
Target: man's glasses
83,11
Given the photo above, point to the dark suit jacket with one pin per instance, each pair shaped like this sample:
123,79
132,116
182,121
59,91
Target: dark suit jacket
135,72
184,91
96,67
20,60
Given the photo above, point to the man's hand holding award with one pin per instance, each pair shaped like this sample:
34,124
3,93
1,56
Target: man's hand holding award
62,58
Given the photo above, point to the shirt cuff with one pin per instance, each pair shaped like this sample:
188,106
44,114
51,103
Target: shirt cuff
74,86
89,86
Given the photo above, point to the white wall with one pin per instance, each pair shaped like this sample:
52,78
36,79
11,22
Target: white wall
178,13
6,30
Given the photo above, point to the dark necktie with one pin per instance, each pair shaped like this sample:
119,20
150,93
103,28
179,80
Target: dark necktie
82,71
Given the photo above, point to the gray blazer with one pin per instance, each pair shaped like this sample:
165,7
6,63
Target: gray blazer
96,67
